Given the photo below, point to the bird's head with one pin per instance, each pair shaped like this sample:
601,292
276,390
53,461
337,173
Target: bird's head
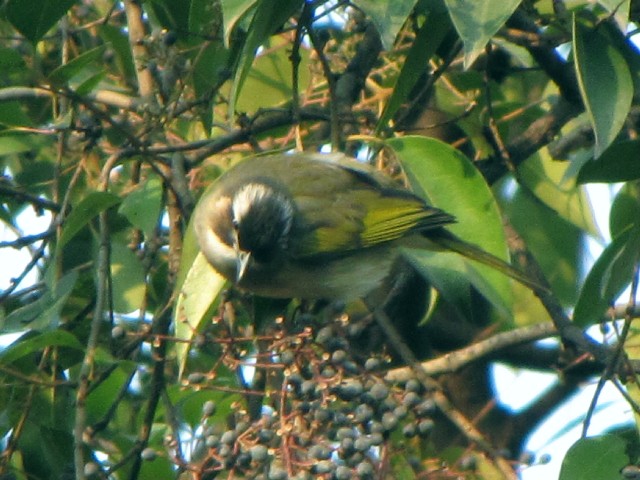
254,226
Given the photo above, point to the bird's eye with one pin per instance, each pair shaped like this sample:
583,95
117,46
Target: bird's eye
235,223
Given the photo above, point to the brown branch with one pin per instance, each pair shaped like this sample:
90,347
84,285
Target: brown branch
458,359
540,133
19,195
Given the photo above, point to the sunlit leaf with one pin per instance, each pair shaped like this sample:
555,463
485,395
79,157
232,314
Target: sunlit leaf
268,83
546,179
605,83
232,12
620,9
556,244
198,287
476,22
266,21
595,458
450,181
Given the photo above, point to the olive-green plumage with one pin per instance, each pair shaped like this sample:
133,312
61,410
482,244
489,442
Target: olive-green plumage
313,225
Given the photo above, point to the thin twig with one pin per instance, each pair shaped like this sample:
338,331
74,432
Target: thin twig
458,359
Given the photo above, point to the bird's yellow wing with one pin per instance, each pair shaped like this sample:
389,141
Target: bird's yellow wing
363,217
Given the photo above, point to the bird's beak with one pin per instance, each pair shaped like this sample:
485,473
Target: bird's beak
242,261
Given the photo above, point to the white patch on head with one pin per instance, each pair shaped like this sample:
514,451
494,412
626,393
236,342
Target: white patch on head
248,196
254,194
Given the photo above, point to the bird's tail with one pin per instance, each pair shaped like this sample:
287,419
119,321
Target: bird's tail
449,241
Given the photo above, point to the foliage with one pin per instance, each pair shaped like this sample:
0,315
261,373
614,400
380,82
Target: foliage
134,361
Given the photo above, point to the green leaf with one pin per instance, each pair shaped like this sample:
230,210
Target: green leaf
427,41
595,458
449,181
546,179
476,22
452,275
620,10
128,279
388,17
232,13
625,210
609,276
34,18
142,206
85,211
554,242
103,396
268,83
605,83
618,163
172,14
11,60
120,44
66,72
15,143
266,21
22,347
198,286
44,312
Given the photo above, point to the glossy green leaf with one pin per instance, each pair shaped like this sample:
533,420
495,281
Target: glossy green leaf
120,44
476,22
595,458
268,83
43,313
33,344
620,10
198,286
545,177
388,17
102,397
142,206
608,277
127,279
427,41
84,212
266,21
625,210
15,143
232,13
449,181
605,83
618,163
171,14
453,275
34,18
66,72
556,244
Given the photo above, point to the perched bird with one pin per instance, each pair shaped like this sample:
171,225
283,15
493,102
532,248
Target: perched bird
316,226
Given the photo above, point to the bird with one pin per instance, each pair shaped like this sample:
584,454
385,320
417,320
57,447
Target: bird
317,226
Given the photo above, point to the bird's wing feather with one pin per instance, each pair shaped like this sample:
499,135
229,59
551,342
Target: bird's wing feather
345,225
